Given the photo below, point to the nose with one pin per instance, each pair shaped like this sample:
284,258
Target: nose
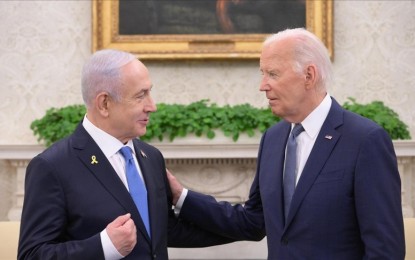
151,105
264,86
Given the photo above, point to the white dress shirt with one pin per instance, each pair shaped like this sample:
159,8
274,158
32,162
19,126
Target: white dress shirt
110,146
305,141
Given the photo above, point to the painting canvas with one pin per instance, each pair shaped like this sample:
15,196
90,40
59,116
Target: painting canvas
209,16
202,29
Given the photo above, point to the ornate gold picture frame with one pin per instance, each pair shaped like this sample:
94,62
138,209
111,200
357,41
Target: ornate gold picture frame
106,14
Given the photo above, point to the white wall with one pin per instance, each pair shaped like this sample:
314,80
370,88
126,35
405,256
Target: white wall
43,45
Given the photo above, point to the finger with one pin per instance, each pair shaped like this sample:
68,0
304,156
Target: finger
129,224
175,186
171,178
121,220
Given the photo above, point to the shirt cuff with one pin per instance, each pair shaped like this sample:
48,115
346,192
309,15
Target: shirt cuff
110,252
180,202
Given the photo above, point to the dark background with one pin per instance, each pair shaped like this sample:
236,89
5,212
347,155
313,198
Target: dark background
141,17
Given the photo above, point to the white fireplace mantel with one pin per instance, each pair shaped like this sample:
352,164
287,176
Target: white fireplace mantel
199,161
219,167
191,150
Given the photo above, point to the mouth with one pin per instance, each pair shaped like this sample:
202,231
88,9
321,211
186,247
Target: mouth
272,101
144,121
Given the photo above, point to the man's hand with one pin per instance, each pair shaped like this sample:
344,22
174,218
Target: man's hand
175,186
123,234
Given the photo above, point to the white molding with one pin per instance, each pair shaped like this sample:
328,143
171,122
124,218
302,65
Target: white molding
193,151
404,148
15,152
190,150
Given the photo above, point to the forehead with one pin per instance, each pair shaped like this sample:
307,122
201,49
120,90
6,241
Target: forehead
136,73
134,67
274,55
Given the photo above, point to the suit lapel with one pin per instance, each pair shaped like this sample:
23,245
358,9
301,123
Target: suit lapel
94,159
324,145
146,171
278,164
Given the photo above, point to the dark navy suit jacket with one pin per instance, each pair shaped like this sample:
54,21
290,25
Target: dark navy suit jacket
347,203
70,199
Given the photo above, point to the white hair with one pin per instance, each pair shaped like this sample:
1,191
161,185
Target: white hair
102,73
307,49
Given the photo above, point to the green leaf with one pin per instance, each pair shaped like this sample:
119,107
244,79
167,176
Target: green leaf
202,118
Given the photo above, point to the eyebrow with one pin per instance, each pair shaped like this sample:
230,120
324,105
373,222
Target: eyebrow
144,90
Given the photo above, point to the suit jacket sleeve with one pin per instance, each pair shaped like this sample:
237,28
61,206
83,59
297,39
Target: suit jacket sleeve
378,198
240,222
177,232
42,233
235,221
185,234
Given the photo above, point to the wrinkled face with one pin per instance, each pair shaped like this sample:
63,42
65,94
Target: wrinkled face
129,117
284,87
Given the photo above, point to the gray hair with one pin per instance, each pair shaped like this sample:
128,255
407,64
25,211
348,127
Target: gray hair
102,73
308,49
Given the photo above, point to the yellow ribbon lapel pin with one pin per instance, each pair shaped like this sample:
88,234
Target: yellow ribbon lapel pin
94,159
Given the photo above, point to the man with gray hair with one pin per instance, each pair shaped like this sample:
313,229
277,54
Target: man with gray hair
327,184
101,193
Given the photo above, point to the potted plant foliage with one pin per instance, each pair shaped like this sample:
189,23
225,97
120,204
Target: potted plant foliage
204,119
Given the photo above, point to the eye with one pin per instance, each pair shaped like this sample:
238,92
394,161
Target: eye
272,74
141,95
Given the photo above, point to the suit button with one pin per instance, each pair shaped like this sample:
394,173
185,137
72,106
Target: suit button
284,241
154,256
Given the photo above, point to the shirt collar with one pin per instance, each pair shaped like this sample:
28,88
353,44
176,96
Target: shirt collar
314,121
108,144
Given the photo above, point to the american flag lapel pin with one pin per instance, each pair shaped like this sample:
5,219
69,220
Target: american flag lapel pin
329,137
143,154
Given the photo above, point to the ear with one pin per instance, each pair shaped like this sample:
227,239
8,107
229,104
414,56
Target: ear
310,76
102,103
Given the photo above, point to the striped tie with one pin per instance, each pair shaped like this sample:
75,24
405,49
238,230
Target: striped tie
290,167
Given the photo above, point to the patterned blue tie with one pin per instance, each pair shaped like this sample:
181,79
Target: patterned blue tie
290,167
136,186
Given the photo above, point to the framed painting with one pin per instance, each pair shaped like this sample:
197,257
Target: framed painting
203,29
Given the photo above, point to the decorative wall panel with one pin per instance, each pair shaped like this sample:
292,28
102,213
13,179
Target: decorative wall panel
41,58
42,48
43,45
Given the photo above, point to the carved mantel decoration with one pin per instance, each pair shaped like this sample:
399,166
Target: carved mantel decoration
224,170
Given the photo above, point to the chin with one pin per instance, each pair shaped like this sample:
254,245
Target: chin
141,132
275,111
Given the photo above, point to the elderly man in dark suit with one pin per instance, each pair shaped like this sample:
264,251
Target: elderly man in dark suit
327,184
101,193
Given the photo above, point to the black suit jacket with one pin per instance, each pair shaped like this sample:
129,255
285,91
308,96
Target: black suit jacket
347,203
70,199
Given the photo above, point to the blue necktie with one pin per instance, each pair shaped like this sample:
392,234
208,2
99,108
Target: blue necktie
290,167
136,186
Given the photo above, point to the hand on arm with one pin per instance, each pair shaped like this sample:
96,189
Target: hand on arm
175,186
